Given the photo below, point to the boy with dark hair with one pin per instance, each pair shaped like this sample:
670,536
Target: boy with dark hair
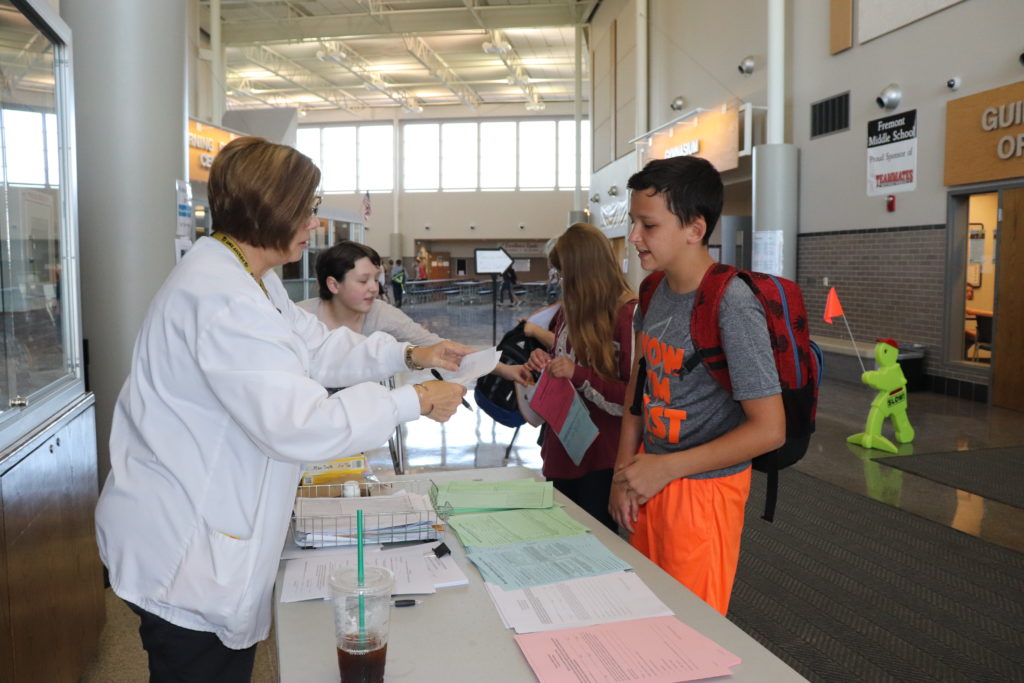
682,495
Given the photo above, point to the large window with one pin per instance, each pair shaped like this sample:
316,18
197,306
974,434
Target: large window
538,158
534,154
351,158
376,157
458,156
421,154
498,155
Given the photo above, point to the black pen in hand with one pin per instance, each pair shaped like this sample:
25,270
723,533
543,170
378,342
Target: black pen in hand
437,376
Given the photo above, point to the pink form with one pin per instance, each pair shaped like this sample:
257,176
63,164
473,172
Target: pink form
656,650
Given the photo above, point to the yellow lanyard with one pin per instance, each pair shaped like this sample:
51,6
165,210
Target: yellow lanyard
237,251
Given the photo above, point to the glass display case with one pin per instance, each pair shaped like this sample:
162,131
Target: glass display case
48,475
39,315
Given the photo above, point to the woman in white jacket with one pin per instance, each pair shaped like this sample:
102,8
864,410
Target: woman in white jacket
223,403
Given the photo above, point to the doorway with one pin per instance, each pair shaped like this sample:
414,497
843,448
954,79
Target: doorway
1008,333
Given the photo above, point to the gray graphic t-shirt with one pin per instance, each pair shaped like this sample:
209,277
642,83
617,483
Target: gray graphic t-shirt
681,412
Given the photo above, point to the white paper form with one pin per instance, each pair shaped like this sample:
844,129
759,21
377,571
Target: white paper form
535,563
473,365
306,578
444,572
577,602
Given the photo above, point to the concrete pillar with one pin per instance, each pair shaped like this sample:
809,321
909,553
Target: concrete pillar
776,182
131,122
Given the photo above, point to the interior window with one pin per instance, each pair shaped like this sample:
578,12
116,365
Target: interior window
980,277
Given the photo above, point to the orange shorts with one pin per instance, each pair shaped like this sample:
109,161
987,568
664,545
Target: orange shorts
692,529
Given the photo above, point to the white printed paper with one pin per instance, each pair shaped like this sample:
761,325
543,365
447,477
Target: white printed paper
577,602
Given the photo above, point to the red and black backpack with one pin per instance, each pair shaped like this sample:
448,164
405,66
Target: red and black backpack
797,359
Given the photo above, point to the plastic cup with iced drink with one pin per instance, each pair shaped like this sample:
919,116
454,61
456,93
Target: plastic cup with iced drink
362,615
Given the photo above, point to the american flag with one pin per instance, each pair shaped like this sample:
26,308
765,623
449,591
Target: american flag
366,206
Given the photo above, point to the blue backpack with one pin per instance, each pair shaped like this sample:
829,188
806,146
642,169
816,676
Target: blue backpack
496,395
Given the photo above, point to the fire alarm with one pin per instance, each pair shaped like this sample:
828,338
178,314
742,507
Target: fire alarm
890,203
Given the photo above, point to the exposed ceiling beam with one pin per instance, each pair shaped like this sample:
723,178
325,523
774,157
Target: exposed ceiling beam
346,57
517,74
388,21
301,77
440,70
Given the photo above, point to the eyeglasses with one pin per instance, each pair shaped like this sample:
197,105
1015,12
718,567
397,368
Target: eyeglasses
316,204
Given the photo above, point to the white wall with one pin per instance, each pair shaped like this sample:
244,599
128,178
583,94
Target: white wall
977,41
496,215
696,45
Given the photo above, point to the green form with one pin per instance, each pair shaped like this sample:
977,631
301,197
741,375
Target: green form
487,529
480,496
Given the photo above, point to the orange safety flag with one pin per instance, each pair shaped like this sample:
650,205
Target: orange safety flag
833,309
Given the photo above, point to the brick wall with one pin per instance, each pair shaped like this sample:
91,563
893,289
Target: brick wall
890,282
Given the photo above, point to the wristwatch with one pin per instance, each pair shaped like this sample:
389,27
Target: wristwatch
409,361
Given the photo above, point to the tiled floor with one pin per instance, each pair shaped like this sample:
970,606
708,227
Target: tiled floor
942,424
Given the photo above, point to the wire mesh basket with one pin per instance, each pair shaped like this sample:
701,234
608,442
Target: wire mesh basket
393,512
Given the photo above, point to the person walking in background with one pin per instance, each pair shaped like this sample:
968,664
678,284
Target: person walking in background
554,290
508,283
397,281
682,495
590,343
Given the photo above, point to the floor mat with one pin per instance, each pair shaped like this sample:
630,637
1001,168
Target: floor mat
993,473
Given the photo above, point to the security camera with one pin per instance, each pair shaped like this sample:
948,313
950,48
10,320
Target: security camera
953,83
890,97
1021,59
746,67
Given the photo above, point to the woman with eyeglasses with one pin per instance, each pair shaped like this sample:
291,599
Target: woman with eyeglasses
224,401
347,277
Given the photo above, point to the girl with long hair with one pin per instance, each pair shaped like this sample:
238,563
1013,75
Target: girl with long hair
590,343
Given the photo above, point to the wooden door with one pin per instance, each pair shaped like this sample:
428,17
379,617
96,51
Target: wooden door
440,265
1008,350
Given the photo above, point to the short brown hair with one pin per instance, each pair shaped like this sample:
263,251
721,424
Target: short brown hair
261,192
338,260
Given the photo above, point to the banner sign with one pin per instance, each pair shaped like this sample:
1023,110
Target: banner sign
892,154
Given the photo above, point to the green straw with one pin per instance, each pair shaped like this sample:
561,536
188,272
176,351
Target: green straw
360,576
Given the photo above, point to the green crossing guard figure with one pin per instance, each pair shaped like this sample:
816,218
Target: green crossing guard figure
891,400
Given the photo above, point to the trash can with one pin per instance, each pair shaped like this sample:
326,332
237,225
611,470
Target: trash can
911,360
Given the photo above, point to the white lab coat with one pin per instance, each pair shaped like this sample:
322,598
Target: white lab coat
223,402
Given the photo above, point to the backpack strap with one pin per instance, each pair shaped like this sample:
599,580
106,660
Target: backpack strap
704,330
647,288
771,495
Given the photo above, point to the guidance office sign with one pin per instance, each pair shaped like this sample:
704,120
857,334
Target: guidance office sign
985,136
892,154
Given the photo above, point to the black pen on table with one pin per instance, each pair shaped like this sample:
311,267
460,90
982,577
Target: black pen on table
437,375
406,602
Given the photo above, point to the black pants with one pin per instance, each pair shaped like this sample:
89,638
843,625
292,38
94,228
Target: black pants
396,290
181,655
591,492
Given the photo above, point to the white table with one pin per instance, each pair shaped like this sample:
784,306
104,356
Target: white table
456,635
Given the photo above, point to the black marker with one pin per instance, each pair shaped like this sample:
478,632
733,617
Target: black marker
406,602
437,375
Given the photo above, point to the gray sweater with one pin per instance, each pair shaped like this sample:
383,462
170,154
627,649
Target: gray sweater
383,317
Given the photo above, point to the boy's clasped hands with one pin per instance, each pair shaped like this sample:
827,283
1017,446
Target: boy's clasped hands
636,482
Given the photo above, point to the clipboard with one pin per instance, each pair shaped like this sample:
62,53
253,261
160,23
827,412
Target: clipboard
523,397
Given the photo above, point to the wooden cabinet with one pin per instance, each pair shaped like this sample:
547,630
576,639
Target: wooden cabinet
51,578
